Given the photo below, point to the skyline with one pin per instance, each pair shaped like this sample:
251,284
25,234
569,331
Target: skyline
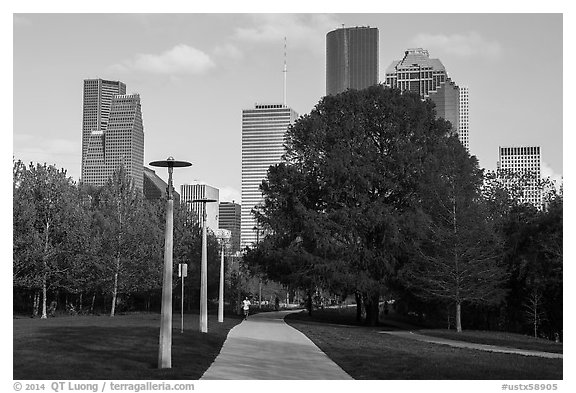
196,73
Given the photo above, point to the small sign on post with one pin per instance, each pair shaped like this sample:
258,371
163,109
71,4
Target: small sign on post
182,270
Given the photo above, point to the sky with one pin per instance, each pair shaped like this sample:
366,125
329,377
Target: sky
195,73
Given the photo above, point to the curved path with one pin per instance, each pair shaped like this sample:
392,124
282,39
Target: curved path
266,347
481,347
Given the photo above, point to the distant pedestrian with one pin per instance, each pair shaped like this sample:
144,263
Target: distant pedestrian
246,306
276,303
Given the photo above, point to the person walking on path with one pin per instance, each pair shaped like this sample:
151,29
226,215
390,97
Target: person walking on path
246,306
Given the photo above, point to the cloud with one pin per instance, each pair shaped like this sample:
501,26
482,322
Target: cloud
306,31
63,153
469,44
547,171
228,51
181,59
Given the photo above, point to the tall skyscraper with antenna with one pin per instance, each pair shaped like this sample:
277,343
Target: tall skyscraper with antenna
263,134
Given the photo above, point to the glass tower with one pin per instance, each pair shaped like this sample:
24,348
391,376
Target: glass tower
263,134
351,59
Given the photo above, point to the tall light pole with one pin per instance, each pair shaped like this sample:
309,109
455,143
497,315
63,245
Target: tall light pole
165,344
223,235
204,270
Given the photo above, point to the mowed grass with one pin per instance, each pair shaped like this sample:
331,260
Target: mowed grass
364,353
123,347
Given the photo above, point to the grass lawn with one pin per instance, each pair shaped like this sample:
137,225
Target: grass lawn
124,347
366,354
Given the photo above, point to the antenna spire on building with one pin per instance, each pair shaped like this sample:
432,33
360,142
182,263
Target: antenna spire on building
285,71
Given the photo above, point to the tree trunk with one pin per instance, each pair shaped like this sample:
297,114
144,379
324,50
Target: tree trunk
309,303
92,304
115,289
458,320
36,304
80,303
358,306
372,310
45,273
44,311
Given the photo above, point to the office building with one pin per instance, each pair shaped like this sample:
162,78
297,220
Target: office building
263,135
351,59
416,72
523,160
112,132
229,218
464,127
155,188
190,192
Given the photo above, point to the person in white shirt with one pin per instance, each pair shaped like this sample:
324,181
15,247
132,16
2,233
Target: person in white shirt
246,306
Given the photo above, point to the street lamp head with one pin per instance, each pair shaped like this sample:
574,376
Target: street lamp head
203,200
170,162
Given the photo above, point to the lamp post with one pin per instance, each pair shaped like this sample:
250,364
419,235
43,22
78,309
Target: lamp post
165,344
224,236
204,270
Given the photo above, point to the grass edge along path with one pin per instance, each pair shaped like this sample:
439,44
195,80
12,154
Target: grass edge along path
123,347
365,354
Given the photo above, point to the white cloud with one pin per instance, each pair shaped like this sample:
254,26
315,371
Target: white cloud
306,31
469,44
228,51
546,171
63,153
181,59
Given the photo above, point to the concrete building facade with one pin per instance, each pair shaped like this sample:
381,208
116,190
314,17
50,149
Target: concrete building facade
190,192
416,72
112,132
263,134
523,160
229,217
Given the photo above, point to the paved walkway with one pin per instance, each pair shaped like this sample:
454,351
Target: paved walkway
463,344
266,347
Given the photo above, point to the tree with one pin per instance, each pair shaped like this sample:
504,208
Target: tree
119,203
341,206
44,203
458,256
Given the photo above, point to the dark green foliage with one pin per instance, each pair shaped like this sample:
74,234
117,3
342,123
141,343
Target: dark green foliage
104,246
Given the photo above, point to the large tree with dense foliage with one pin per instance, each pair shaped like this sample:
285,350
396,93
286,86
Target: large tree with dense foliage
346,202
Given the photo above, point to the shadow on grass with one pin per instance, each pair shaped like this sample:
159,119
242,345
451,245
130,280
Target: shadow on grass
365,354
91,350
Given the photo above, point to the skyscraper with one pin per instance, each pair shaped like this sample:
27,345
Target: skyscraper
189,192
523,160
263,134
229,218
420,74
351,59
464,127
112,132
